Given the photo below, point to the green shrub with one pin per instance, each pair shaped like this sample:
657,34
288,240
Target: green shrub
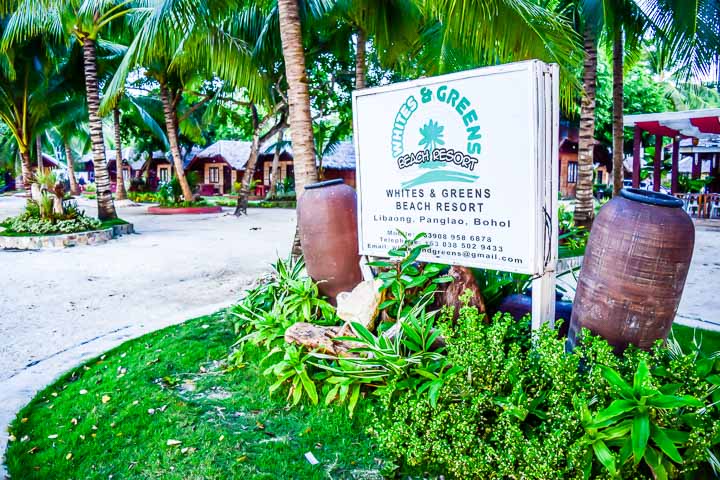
90,187
143,197
39,226
523,408
38,219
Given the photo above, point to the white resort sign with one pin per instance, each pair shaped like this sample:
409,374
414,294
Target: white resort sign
469,158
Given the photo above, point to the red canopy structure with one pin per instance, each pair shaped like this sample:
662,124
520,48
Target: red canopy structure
698,124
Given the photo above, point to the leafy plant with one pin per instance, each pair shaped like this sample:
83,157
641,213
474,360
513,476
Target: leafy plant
405,281
631,424
496,285
292,370
289,297
411,359
518,406
46,179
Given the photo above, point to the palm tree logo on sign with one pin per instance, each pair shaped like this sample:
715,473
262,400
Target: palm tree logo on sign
431,156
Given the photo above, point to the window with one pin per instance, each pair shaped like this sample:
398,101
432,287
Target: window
214,174
572,172
164,174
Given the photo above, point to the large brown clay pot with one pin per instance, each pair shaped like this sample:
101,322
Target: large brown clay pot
327,214
634,269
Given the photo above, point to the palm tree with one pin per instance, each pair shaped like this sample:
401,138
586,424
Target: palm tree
328,136
458,34
70,129
28,90
83,21
257,140
393,25
276,163
120,193
175,42
301,131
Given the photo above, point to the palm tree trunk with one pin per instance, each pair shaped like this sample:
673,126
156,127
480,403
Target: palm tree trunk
617,125
74,187
172,133
276,165
38,153
120,193
584,210
27,175
244,192
106,207
301,131
360,60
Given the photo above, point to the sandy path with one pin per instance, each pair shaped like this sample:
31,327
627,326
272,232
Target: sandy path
59,307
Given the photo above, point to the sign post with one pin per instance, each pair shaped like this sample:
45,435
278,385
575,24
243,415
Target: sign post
470,159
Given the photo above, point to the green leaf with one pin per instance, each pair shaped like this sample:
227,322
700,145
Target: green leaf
396,253
296,391
603,454
674,401
331,395
616,409
411,332
640,434
353,398
444,279
666,445
387,303
618,431
417,281
676,436
617,381
381,264
641,376
652,458
309,386
434,392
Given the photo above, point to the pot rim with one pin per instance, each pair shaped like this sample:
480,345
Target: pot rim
651,198
326,183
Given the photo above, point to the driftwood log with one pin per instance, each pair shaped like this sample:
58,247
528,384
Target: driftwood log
463,280
361,306
320,338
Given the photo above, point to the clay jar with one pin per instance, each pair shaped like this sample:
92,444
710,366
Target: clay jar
634,270
327,215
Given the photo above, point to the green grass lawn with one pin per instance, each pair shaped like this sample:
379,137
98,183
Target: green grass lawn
112,223
122,414
163,407
709,341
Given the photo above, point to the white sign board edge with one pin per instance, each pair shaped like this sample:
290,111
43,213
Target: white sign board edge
546,111
543,286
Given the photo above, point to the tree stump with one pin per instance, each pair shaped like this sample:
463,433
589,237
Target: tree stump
463,280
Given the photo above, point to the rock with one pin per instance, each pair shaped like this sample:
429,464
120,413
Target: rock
35,193
360,305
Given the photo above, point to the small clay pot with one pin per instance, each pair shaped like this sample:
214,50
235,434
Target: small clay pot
327,215
519,305
634,270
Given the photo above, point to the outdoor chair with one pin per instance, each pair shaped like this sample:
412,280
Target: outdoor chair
692,205
715,207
